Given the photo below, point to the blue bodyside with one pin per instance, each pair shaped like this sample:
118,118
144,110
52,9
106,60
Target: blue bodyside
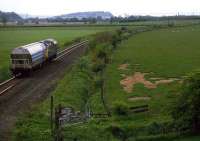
37,56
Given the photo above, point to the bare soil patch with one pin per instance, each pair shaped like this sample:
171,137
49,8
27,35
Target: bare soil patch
129,82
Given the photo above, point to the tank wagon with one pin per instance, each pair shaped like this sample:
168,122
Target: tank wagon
28,57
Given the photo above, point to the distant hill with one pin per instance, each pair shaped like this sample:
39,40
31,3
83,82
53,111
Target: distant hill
81,15
10,16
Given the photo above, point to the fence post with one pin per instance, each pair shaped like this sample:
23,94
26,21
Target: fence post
56,125
51,109
58,130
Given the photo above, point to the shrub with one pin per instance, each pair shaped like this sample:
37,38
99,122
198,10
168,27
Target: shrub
116,40
104,37
124,28
125,36
187,108
155,128
118,132
120,108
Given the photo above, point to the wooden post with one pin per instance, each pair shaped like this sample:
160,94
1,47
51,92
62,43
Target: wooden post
58,130
60,134
51,109
56,124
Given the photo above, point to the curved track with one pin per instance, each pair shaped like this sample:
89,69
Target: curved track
20,94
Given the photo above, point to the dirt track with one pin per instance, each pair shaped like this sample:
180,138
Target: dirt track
32,90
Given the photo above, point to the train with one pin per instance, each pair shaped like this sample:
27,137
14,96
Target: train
25,59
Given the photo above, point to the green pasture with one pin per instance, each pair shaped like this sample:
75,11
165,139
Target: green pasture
12,37
165,53
166,22
168,52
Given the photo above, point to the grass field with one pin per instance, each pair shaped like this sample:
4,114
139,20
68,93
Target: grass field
165,22
166,53
15,36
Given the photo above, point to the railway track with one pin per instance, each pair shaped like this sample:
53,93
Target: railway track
7,85
12,82
67,51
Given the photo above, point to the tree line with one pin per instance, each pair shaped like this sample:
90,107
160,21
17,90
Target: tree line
93,20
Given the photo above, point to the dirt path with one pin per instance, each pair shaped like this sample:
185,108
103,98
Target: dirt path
32,90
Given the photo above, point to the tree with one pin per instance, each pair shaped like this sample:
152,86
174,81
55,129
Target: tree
99,18
4,20
186,112
92,20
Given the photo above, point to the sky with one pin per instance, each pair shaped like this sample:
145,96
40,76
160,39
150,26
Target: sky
117,7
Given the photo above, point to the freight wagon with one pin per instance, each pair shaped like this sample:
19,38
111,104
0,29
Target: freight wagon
28,57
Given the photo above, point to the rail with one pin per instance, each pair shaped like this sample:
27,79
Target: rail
70,49
3,83
7,85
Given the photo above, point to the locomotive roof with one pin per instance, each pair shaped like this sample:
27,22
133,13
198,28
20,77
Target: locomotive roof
29,49
32,48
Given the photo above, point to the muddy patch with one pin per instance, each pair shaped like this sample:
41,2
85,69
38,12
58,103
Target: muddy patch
129,82
139,98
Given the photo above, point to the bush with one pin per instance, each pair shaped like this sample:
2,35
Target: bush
124,28
120,108
119,132
155,128
104,37
186,112
125,36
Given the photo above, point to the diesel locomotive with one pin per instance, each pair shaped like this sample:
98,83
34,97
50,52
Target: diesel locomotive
26,58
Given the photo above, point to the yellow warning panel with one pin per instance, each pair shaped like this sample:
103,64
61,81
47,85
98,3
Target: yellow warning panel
46,54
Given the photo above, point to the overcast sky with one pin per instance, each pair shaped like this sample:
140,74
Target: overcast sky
117,7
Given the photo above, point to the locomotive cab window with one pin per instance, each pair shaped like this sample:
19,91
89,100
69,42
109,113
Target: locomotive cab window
20,61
